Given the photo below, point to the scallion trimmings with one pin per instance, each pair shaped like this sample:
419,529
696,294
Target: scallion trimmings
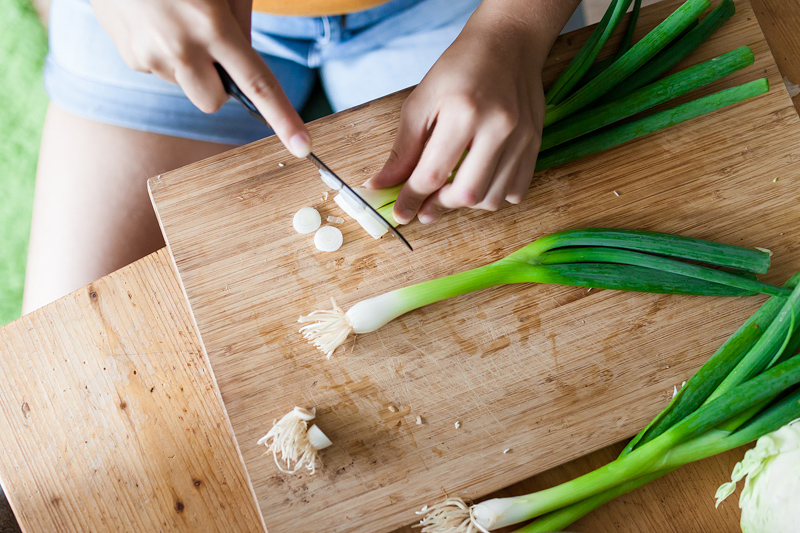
293,444
598,257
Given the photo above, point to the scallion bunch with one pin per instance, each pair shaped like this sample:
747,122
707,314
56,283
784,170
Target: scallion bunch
748,388
591,107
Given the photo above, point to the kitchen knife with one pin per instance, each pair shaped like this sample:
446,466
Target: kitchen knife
328,176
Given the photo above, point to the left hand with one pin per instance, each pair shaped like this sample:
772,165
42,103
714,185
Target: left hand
484,95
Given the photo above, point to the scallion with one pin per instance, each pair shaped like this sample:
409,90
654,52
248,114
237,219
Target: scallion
650,96
616,135
598,258
753,392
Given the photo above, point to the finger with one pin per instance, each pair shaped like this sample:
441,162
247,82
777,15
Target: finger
522,182
506,173
475,173
406,150
434,206
451,136
202,85
256,81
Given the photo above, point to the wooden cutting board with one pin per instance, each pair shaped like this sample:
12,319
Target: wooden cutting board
547,372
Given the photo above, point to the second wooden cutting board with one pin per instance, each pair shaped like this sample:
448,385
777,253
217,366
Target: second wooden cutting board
548,372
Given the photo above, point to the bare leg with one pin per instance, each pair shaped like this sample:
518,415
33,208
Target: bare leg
91,211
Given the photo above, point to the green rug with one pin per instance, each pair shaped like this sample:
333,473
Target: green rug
23,44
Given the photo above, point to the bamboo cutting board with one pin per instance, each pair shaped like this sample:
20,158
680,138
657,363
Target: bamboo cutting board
548,373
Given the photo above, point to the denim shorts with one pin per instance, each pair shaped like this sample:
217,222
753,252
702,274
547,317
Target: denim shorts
359,57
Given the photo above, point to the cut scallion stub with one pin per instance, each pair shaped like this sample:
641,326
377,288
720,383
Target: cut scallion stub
598,258
293,444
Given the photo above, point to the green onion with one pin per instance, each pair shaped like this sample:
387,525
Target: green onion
624,46
697,390
740,412
715,441
670,57
588,52
598,258
663,119
659,92
634,58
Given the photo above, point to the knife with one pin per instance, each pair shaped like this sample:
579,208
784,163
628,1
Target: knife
328,176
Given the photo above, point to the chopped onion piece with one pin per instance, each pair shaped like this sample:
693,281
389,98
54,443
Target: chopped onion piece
329,180
328,239
335,220
307,220
317,438
347,206
361,215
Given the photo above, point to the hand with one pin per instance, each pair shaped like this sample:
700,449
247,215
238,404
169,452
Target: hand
179,41
484,95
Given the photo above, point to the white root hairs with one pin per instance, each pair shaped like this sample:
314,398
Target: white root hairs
326,329
289,439
450,516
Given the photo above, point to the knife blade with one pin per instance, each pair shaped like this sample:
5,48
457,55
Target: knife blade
328,176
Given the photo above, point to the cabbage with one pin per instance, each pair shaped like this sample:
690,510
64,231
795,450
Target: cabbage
770,500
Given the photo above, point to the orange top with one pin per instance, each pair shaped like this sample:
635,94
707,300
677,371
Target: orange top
313,8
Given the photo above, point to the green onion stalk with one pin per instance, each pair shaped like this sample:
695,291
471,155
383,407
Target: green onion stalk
600,258
605,139
675,52
639,54
582,61
748,388
654,94
624,46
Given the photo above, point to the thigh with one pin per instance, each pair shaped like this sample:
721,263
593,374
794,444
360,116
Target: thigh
92,213
394,53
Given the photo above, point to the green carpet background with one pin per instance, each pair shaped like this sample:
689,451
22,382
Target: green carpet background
23,45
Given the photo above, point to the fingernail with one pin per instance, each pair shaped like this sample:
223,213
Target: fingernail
404,216
300,145
366,183
426,218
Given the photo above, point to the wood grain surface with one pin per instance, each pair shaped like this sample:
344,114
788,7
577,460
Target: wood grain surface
111,418
550,372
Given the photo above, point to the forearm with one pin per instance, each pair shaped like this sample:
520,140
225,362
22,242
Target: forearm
537,22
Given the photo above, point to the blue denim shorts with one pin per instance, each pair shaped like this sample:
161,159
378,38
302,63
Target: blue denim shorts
359,57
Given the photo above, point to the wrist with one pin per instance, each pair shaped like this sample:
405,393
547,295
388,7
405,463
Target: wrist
534,24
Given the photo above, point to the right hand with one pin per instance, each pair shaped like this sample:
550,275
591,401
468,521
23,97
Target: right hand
180,40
